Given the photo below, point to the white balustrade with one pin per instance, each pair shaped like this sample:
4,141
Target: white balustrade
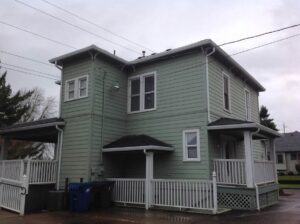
11,169
129,190
42,171
230,171
264,171
192,194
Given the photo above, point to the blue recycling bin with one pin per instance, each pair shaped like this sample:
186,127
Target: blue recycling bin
80,196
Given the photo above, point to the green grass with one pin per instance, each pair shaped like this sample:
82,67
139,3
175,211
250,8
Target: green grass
289,186
294,177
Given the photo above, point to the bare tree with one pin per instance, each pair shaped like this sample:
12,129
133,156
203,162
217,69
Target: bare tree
40,107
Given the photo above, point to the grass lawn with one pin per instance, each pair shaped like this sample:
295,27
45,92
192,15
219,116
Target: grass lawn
294,177
290,179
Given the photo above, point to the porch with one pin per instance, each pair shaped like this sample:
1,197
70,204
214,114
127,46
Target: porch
20,179
243,153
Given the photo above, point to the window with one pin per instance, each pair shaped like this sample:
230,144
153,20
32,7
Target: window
247,105
295,156
226,92
191,145
280,158
76,88
142,93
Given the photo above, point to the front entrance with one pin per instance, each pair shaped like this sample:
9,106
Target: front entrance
228,148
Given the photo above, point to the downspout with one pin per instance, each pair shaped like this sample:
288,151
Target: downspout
61,132
103,107
207,83
60,91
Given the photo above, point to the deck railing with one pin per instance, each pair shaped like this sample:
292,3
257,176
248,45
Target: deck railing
189,194
129,190
11,170
264,171
230,171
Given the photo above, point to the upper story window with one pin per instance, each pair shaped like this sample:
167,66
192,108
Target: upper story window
247,105
142,93
76,88
226,92
191,145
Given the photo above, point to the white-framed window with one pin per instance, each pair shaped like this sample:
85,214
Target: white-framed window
142,93
280,158
247,105
226,92
76,88
191,145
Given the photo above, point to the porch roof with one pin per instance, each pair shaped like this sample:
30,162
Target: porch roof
234,126
137,143
40,131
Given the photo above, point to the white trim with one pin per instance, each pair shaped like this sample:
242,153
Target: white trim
32,127
138,148
76,88
184,146
141,77
247,107
229,92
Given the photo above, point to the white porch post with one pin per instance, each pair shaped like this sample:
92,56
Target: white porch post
149,177
273,157
248,159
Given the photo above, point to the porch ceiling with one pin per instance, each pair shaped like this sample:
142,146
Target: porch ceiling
39,131
131,143
236,127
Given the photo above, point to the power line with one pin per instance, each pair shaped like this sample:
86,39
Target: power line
95,24
259,35
28,73
77,27
28,69
26,58
36,34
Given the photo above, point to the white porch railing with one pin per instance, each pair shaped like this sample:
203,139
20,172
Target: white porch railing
264,171
42,171
190,194
11,170
230,171
131,191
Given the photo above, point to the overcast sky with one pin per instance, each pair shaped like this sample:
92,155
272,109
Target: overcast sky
160,25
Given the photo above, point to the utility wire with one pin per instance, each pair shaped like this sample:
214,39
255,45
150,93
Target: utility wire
266,44
26,58
95,24
28,73
38,35
77,27
259,35
28,69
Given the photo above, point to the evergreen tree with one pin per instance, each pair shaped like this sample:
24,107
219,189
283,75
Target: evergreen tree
265,120
12,106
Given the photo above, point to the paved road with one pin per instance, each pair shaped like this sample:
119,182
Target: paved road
286,212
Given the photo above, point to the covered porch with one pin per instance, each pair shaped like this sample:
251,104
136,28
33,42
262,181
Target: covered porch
148,192
239,158
18,175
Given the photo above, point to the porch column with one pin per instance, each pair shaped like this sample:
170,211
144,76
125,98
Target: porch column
149,177
248,159
273,157
4,149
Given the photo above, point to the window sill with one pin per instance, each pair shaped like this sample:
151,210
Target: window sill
227,111
192,160
78,98
141,111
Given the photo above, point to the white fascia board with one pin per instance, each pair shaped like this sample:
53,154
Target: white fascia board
232,126
31,127
138,148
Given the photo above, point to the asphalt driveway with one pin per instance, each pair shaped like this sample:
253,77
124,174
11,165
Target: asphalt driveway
287,211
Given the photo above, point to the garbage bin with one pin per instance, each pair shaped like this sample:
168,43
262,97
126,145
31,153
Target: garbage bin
101,194
80,196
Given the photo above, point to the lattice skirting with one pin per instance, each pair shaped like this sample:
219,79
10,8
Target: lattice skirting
236,201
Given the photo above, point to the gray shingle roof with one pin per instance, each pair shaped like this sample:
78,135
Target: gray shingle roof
289,142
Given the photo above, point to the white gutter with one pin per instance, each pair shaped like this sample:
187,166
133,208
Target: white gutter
138,148
207,84
60,90
31,127
61,132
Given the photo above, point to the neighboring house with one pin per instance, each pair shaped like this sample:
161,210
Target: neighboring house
160,125
288,152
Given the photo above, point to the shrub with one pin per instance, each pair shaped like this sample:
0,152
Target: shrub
290,173
297,167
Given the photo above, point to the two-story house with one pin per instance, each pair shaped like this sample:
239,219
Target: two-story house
161,124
